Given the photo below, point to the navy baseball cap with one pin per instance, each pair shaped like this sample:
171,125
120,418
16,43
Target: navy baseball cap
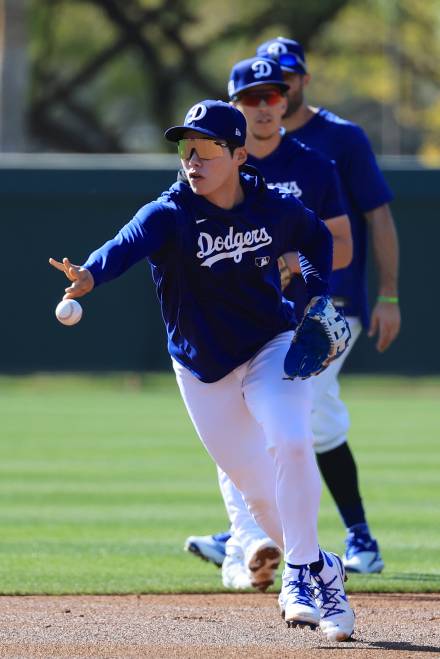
250,73
214,119
287,52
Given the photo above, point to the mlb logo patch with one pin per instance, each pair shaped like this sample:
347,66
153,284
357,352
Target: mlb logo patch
261,261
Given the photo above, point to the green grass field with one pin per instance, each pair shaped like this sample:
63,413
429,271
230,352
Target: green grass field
102,478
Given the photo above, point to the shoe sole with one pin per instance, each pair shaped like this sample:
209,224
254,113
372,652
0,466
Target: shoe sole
337,637
262,566
297,622
375,569
292,624
193,549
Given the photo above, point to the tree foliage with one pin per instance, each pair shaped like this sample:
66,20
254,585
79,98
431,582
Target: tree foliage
384,72
109,75
103,69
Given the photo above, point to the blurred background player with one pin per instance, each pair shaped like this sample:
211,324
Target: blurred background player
366,196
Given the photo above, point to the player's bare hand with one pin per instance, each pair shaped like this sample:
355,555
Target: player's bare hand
385,323
81,278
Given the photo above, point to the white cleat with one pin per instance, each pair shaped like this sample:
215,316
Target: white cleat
234,572
256,570
296,600
262,560
336,615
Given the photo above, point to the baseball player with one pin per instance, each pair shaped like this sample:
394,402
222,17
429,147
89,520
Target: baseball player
213,242
256,87
366,197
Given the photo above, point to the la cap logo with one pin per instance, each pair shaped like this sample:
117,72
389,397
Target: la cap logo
261,69
277,48
196,113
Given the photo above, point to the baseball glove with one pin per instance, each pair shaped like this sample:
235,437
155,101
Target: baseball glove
322,336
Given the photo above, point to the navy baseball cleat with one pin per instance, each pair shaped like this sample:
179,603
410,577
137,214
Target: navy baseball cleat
210,548
362,553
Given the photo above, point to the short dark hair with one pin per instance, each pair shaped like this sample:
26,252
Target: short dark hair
232,147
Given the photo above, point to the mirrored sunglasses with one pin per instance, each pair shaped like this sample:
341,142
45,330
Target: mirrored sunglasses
289,60
205,148
254,98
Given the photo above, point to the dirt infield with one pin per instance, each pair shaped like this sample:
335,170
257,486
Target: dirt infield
222,625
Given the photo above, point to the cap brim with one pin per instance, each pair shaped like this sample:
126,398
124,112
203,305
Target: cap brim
175,133
294,69
275,83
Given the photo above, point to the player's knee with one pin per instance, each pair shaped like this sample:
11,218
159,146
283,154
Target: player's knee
291,444
249,484
256,494
326,443
258,506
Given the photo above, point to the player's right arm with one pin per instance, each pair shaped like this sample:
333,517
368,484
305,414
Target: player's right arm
148,234
81,278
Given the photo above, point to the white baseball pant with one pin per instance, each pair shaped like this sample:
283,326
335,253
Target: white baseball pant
330,423
256,426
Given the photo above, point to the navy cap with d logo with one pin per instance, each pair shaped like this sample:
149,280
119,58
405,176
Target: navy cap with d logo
288,52
253,72
213,119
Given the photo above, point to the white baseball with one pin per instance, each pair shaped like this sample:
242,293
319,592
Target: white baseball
69,312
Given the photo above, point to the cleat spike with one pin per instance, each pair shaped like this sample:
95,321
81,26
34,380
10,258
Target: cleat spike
293,624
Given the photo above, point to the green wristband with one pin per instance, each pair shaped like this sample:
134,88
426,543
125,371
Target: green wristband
388,298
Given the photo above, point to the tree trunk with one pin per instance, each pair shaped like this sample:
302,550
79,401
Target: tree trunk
13,75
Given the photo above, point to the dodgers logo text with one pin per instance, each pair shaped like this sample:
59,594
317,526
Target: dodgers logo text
231,246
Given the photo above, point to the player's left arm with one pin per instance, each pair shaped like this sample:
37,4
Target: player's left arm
370,192
340,229
331,208
385,317
313,241
323,334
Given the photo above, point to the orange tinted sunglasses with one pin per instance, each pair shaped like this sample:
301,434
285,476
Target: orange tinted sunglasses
254,98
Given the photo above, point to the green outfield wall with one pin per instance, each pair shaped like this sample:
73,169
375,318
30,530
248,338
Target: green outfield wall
67,205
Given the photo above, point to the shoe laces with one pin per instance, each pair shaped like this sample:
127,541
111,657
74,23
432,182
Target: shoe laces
330,596
357,543
222,537
301,589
